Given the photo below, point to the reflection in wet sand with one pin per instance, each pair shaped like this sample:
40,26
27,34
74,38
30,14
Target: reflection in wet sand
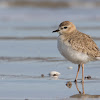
82,94
82,88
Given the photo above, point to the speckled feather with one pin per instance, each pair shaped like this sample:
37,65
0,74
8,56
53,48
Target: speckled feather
79,41
82,43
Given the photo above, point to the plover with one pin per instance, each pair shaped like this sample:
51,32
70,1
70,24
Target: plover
76,46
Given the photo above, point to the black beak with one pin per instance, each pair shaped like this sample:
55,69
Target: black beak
56,31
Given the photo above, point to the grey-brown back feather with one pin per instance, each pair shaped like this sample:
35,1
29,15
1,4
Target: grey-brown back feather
83,43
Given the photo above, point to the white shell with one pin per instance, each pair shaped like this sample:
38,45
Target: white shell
70,67
54,73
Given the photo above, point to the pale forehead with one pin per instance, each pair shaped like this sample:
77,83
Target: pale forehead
65,23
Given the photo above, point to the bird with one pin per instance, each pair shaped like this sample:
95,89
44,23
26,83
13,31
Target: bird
77,47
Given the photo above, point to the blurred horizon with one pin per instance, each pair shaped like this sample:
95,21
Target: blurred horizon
51,3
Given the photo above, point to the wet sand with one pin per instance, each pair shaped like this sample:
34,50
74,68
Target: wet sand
42,59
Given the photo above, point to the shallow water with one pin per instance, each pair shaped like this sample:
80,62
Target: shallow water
28,48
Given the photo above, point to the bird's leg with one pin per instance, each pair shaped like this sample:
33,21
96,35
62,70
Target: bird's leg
82,72
83,88
77,73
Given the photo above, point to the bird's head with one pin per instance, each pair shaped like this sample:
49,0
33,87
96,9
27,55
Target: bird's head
66,27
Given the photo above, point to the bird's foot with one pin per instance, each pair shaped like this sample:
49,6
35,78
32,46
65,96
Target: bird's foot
75,80
82,81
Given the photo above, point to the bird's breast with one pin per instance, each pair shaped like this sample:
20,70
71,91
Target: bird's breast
69,53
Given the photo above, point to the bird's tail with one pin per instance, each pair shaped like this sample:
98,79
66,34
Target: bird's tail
97,58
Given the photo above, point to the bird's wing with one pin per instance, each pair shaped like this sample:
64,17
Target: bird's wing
84,43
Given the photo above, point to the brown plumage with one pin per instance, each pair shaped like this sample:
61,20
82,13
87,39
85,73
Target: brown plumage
76,46
82,43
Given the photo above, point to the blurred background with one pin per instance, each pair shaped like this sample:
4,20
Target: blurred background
28,48
39,17
36,19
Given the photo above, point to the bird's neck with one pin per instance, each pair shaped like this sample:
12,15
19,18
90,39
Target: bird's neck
68,34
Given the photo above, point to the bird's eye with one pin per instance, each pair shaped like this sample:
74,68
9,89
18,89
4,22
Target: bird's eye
65,27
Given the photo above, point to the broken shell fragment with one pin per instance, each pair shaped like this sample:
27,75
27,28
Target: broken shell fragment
54,73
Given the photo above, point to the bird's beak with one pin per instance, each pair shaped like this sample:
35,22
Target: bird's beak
55,31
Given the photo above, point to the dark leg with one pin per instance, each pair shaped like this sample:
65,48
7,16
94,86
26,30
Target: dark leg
77,73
